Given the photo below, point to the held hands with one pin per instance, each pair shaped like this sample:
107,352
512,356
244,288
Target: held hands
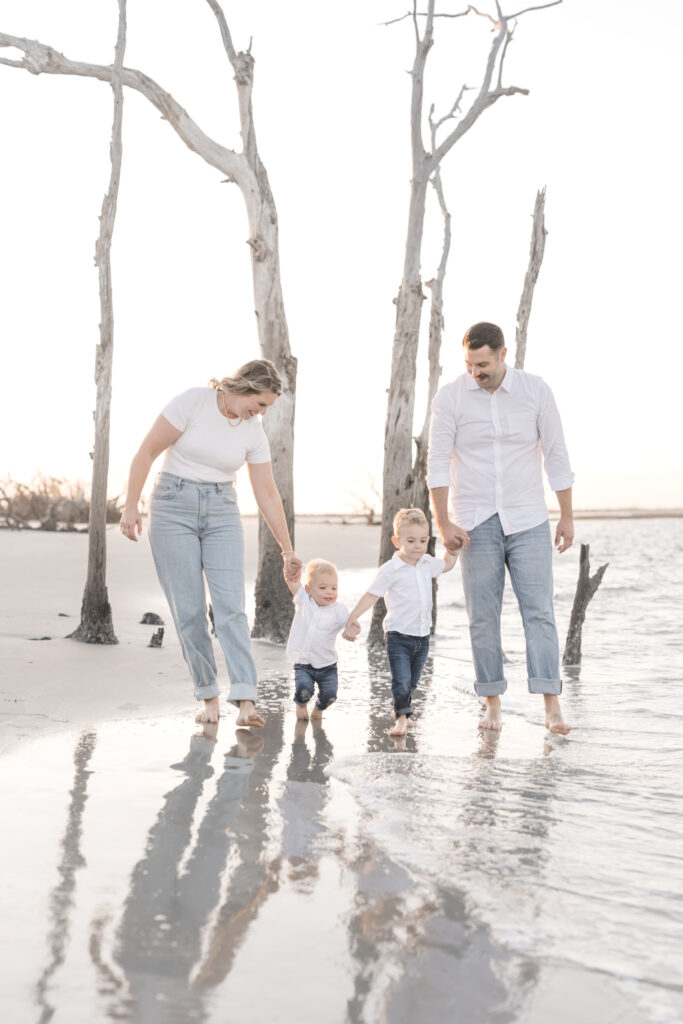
564,534
292,566
453,537
131,523
351,630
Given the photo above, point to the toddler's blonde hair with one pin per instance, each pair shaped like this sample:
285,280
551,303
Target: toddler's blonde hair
409,517
319,565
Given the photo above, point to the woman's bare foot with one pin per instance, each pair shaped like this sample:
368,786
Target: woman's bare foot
248,745
248,716
554,722
209,713
316,712
400,728
492,719
302,712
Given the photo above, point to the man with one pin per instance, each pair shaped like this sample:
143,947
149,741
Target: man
488,429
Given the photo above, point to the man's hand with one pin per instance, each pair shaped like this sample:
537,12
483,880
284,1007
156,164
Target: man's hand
351,630
453,537
564,534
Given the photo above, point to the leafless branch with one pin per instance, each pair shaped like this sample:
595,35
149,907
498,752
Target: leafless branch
225,31
540,7
538,234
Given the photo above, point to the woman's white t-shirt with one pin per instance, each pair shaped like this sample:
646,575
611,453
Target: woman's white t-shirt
209,448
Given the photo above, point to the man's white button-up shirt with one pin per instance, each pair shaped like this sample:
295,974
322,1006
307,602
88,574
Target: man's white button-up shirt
407,592
488,447
314,631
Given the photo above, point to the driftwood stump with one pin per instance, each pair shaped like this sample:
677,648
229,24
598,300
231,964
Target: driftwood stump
585,588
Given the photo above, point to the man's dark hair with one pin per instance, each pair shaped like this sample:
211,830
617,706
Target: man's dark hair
482,334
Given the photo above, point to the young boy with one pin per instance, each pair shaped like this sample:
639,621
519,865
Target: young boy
405,583
318,617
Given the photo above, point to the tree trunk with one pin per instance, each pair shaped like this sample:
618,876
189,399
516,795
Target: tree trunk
538,234
585,588
96,626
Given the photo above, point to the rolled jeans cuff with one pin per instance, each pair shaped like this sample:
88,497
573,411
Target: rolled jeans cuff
207,692
550,686
490,689
241,691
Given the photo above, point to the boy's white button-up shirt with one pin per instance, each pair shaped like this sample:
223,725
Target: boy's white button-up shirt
488,447
314,631
407,592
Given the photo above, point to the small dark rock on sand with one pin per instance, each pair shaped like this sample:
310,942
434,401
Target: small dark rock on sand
151,619
157,638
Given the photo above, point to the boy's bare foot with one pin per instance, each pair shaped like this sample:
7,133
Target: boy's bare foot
248,715
209,713
554,722
302,711
316,712
400,728
492,719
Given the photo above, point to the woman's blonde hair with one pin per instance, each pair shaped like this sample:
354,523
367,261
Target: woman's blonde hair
318,565
254,378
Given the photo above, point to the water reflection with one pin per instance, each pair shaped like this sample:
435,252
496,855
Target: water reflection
302,802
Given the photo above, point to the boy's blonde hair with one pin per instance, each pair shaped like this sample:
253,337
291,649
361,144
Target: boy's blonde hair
409,517
318,565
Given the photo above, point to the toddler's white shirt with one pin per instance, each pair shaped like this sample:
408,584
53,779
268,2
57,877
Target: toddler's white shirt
209,449
407,591
314,631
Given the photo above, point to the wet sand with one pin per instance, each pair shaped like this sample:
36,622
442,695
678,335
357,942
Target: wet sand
153,873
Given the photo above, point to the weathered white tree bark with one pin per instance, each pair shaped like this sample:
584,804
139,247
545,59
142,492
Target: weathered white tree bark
245,169
538,233
585,588
96,626
398,479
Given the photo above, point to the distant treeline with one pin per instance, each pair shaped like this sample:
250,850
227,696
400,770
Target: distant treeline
47,503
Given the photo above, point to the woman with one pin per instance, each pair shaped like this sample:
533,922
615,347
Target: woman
195,527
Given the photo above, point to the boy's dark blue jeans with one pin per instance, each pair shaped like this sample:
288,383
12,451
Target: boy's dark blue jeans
407,655
305,678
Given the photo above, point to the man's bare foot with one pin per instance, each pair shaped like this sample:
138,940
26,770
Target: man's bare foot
492,719
400,728
316,712
248,716
302,712
209,713
554,722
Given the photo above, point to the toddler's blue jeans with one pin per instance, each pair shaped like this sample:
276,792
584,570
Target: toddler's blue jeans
305,678
407,655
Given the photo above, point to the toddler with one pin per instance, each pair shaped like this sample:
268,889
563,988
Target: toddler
318,617
405,583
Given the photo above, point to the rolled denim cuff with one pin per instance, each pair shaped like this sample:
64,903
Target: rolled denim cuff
408,712
207,692
490,689
550,686
241,691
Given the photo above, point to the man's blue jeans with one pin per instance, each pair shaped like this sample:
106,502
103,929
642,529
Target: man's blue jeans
528,556
195,531
407,655
305,678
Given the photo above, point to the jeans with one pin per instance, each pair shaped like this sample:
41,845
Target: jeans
195,531
528,556
305,678
407,655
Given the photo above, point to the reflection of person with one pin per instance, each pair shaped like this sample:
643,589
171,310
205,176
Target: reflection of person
405,583
488,429
318,617
195,527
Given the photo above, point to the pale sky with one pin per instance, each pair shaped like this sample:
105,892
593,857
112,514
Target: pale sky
598,129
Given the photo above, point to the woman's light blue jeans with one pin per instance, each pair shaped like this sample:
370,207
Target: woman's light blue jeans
195,531
528,556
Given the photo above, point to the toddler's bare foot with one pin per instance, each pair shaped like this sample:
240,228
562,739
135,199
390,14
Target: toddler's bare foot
554,721
412,723
316,712
492,719
248,716
209,713
401,726
302,711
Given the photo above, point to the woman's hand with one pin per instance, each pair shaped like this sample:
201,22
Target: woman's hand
131,523
292,566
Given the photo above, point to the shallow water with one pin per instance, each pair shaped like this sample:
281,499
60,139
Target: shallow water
330,874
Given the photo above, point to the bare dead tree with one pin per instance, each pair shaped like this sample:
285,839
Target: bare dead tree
538,234
585,588
246,170
398,478
96,625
